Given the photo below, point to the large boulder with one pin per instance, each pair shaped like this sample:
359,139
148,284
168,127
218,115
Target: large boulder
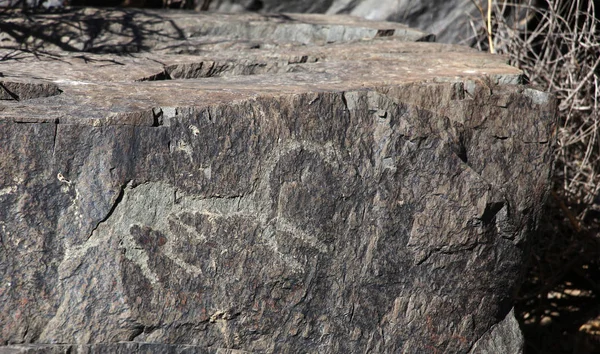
202,183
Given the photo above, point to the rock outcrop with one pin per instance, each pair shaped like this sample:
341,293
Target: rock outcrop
202,183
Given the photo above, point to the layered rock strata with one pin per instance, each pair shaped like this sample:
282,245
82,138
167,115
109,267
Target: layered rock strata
202,183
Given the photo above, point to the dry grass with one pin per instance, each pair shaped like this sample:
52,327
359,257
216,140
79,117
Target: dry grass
557,44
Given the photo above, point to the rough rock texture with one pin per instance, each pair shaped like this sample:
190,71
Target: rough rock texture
449,20
269,184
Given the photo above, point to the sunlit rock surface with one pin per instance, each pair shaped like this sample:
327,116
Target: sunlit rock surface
201,183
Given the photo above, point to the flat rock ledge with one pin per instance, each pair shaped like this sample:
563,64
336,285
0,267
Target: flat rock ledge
176,182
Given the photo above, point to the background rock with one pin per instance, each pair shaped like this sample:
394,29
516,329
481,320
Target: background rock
256,183
447,19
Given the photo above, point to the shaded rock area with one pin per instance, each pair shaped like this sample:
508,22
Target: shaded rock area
203,183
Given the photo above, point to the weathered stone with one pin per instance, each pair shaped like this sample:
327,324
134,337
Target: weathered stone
451,21
241,184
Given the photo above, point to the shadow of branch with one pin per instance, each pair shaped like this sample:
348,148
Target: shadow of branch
26,32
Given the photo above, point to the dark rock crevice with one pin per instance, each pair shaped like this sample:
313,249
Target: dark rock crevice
115,204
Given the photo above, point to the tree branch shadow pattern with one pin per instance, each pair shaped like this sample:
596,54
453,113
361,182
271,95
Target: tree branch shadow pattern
89,30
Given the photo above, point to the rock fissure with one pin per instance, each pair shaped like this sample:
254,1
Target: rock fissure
114,206
8,92
56,122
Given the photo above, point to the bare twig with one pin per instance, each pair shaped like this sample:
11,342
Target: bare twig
489,27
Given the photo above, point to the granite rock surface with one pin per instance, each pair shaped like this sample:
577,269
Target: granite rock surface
204,183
